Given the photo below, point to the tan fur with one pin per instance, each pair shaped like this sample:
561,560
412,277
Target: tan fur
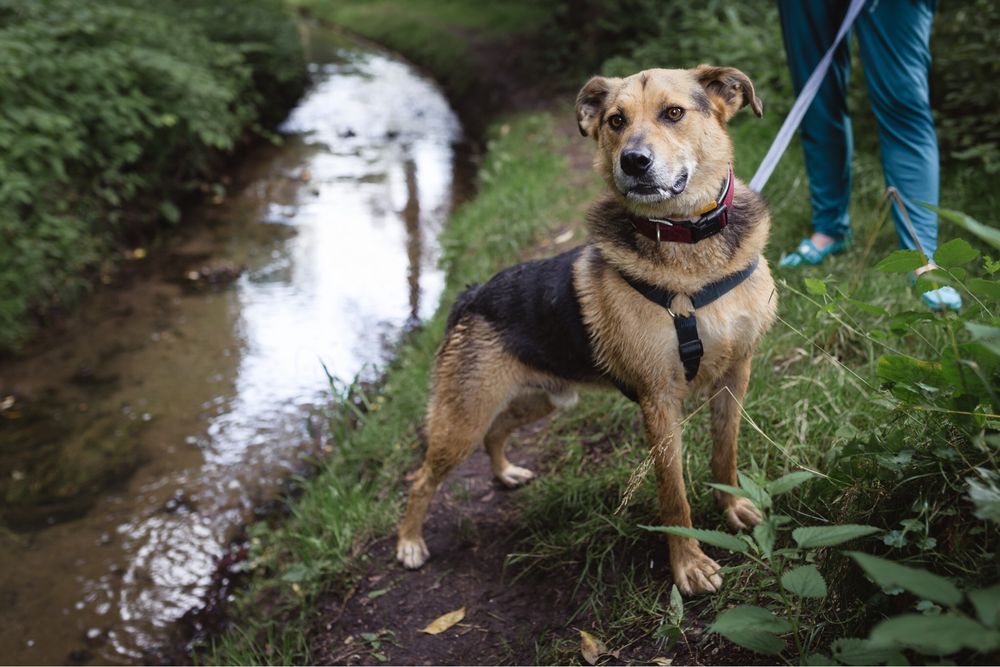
482,393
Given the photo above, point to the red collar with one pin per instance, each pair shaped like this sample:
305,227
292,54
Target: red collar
690,231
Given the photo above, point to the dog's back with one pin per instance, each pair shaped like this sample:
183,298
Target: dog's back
534,310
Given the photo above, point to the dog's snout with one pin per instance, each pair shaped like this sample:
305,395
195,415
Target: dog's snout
636,161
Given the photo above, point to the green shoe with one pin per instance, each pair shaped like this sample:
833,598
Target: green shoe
808,253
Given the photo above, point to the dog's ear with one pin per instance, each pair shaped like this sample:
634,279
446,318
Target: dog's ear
590,104
730,90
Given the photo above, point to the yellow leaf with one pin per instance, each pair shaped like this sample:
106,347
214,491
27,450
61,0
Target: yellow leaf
442,623
591,647
662,662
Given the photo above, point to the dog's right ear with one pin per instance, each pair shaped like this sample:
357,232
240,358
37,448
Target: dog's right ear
590,104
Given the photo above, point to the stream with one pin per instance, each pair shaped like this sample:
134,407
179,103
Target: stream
134,444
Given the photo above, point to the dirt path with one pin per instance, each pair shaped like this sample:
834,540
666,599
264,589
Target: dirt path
469,532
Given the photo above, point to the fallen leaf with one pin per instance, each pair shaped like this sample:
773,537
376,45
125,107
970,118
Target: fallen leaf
591,647
565,236
442,623
662,662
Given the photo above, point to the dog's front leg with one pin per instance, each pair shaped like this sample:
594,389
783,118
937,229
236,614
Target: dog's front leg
693,571
729,393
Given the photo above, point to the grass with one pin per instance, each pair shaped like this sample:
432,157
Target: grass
434,34
357,495
813,392
814,396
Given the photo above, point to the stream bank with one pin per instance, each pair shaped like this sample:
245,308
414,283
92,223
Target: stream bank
135,446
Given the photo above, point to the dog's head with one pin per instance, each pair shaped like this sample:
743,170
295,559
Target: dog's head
661,134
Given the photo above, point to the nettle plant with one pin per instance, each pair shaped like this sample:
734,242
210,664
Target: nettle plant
792,591
946,406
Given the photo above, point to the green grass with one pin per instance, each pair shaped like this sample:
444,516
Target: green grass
357,495
434,34
815,399
814,392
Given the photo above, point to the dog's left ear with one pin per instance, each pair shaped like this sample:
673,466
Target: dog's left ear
730,90
590,104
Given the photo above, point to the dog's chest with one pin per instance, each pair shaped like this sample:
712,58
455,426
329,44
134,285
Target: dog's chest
640,342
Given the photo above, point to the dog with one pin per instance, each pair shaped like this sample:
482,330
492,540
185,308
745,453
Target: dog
668,297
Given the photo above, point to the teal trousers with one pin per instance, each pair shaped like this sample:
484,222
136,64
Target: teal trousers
894,40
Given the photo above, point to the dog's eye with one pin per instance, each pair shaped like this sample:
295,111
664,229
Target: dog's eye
616,121
674,114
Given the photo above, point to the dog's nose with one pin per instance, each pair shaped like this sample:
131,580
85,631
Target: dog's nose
636,161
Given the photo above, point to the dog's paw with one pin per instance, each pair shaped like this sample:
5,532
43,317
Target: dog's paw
513,476
412,553
696,573
742,514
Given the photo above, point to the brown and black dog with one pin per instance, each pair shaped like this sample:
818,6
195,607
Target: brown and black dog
518,346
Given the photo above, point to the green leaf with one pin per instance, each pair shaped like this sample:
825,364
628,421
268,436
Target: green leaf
902,261
714,537
937,634
987,604
921,583
757,641
985,289
753,628
902,323
989,234
786,483
984,493
749,617
985,334
815,286
170,212
869,308
828,536
296,573
955,252
676,612
818,660
765,534
804,581
863,652
907,370
757,495
935,278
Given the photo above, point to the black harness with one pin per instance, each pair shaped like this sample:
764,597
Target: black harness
688,343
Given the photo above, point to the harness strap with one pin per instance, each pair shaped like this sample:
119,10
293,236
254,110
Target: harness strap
689,345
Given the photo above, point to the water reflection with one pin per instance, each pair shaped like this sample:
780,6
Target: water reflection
336,230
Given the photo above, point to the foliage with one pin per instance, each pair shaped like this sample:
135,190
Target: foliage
794,591
108,108
965,44
955,385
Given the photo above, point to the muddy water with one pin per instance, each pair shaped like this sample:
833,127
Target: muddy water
133,445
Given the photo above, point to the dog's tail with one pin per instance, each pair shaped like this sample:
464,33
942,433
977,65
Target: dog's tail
462,304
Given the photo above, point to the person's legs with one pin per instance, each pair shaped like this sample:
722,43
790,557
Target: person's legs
894,36
809,27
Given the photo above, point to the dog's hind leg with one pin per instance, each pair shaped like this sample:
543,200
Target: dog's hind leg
729,393
467,397
522,410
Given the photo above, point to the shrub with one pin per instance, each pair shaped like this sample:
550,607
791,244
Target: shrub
108,110
927,479
963,80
